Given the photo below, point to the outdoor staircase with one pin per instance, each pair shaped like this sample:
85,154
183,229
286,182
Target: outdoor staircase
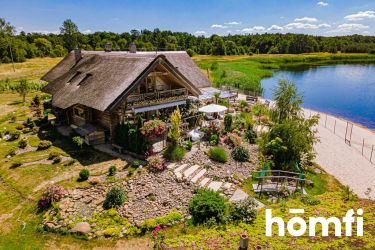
196,175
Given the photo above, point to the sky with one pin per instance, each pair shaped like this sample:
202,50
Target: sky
199,17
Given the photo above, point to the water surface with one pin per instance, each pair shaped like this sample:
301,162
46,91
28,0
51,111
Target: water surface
347,91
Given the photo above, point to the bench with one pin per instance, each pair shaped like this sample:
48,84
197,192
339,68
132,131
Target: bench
252,99
116,147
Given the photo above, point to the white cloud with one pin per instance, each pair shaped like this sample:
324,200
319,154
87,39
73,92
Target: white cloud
45,32
360,15
233,23
352,27
275,27
349,27
255,29
299,25
200,33
324,25
324,4
219,26
88,31
306,19
366,32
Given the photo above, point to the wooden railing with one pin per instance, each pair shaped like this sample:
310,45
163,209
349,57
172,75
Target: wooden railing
157,95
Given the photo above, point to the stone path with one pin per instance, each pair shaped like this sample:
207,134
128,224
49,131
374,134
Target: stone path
196,175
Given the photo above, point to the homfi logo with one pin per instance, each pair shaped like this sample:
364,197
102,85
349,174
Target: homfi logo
297,226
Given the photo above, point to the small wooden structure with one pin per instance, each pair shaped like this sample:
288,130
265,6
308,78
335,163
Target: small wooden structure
279,181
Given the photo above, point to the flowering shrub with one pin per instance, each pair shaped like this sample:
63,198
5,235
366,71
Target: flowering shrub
153,129
53,193
158,236
156,163
233,140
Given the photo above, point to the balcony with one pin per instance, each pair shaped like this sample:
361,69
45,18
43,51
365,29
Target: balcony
157,97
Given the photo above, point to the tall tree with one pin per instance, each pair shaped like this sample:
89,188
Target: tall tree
288,101
23,89
6,29
69,31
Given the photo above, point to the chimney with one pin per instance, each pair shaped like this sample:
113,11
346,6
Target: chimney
107,47
77,54
132,48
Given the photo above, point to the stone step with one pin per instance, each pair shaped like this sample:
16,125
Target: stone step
180,168
238,195
188,172
198,176
215,185
172,166
227,185
204,182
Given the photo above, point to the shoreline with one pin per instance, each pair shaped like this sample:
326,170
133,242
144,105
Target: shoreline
349,162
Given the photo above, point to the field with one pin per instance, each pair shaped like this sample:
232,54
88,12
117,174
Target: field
21,187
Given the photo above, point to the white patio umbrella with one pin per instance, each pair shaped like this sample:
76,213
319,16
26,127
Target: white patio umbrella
212,108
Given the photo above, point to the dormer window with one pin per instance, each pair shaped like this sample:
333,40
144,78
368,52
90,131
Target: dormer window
85,79
74,77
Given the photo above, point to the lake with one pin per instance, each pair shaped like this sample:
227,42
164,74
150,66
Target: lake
347,91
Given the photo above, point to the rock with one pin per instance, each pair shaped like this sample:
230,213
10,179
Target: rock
81,227
50,226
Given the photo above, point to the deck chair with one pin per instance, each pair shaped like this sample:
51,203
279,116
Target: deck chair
301,175
262,174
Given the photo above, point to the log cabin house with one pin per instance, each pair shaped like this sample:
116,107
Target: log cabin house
94,91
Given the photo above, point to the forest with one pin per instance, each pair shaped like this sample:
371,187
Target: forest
22,46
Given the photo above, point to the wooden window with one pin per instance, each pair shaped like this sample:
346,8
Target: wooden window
85,79
74,77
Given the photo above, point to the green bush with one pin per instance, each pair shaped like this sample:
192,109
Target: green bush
14,135
44,145
19,127
207,204
173,216
84,174
22,143
240,154
228,119
69,162
214,139
244,210
174,153
112,170
16,164
78,141
218,154
56,160
309,200
250,136
188,145
53,155
114,198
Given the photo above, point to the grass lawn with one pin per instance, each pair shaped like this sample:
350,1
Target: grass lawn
31,69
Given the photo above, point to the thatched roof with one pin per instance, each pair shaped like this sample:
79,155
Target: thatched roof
99,78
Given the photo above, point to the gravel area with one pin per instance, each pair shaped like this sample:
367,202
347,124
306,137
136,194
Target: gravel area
224,170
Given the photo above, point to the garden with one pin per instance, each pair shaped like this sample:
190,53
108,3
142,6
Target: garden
56,189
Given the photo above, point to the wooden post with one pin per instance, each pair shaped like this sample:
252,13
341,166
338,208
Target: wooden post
363,144
244,242
372,150
325,122
334,128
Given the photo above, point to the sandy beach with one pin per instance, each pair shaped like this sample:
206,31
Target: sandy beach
346,161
